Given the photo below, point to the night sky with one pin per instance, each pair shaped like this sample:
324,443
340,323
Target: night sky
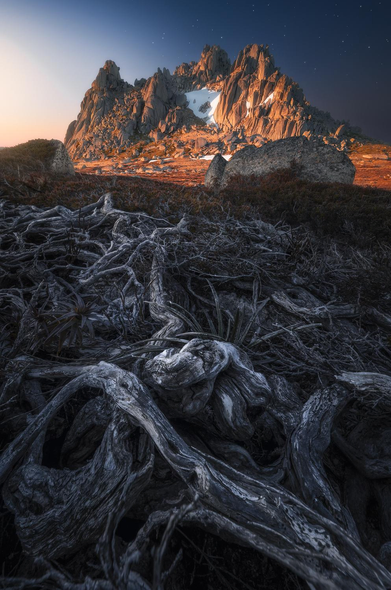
338,52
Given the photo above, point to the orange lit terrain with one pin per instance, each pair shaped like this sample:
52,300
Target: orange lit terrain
373,167
186,171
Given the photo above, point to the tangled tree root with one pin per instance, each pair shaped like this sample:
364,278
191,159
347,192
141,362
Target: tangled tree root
129,391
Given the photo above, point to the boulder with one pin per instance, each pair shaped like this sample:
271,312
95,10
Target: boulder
200,142
61,162
156,135
215,172
316,161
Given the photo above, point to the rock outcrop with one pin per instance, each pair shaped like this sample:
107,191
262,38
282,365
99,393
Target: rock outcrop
212,68
251,99
258,98
313,159
36,155
215,172
99,100
61,163
113,110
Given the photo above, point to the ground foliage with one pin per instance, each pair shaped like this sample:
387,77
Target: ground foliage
26,158
192,397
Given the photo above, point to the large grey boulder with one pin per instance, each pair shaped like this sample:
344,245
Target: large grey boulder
61,162
315,161
215,172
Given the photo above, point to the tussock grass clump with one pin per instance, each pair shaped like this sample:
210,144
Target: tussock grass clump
30,156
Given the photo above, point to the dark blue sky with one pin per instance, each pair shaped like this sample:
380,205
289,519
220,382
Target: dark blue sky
339,52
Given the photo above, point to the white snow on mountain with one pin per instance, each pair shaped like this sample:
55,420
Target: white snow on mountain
197,98
210,157
269,98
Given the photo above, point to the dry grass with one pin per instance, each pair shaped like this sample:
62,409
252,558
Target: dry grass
357,215
26,157
361,215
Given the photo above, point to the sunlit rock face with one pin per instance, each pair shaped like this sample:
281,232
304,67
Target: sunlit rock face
211,70
113,110
251,96
261,100
98,102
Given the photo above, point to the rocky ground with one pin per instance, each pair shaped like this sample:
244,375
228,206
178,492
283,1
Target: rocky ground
188,163
373,165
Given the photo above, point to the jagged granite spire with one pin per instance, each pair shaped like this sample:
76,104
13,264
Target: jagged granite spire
108,77
258,98
254,98
212,68
113,110
98,101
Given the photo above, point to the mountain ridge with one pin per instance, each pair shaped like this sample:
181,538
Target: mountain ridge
252,98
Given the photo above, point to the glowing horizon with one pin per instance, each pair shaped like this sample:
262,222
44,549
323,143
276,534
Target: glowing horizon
50,52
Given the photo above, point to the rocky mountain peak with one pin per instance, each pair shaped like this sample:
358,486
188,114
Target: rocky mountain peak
211,69
255,59
214,62
257,98
108,77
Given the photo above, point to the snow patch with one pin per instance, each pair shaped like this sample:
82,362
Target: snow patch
248,108
210,157
269,98
197,98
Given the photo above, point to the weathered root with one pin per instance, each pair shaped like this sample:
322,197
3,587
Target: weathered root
253,511
135,389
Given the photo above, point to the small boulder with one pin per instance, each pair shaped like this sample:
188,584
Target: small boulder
215,172
61,162
156,135
200,142
316,161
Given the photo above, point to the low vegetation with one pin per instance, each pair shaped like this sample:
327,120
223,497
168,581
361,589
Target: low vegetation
189,380
352,213
26,158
